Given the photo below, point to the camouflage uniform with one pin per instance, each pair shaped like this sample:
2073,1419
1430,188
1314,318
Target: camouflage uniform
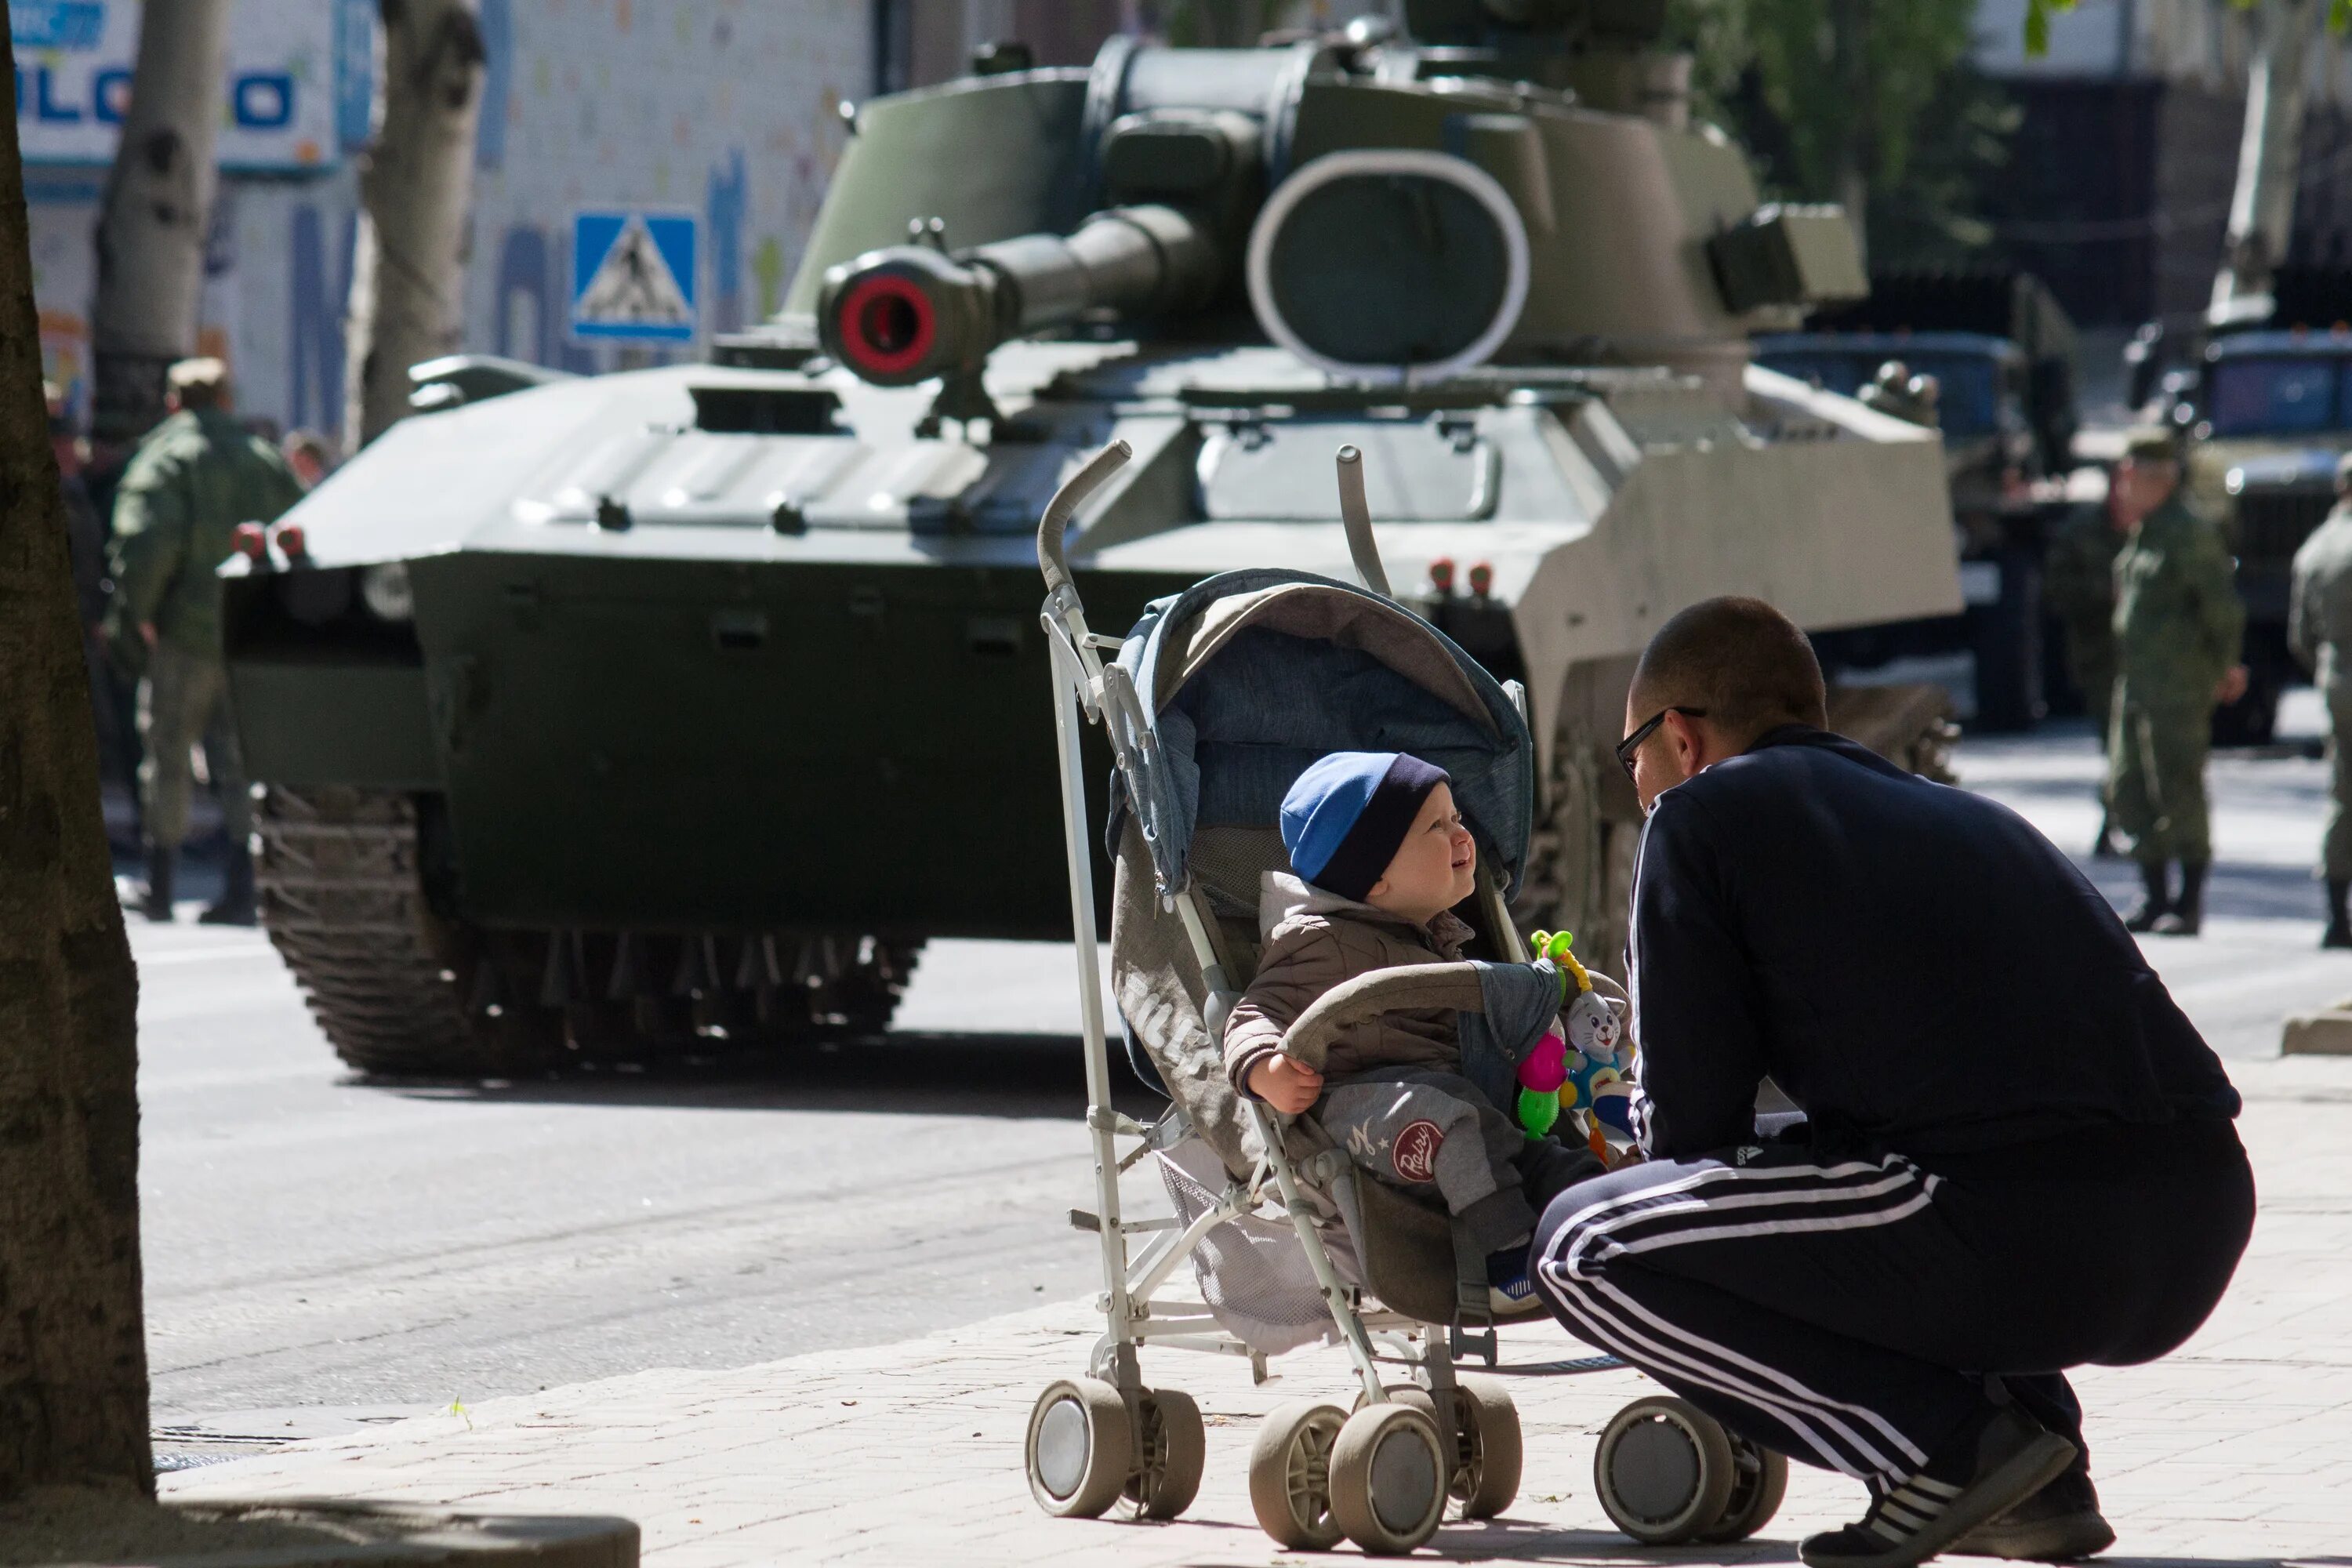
194,479
2319,629
2079,586
2177,627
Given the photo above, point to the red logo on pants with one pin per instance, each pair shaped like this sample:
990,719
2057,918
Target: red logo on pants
1416,1151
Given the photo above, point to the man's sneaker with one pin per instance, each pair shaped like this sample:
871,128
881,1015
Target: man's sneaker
1509,1291
1987,1471
2060,1523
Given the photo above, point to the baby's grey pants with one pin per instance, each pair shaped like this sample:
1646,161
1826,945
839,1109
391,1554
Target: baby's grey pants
1431,1132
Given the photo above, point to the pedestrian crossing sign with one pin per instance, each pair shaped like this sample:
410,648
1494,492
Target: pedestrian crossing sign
632,276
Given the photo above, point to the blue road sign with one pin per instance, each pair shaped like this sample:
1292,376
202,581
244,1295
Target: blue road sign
632,276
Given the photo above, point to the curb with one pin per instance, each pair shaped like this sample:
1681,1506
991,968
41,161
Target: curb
2327,1034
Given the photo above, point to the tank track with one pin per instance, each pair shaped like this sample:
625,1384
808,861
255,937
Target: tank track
343,897
402,992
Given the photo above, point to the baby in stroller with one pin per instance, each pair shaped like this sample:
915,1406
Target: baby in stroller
1381,858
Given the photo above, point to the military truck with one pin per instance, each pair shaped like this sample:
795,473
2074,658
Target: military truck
674,709
2001,352
2265,406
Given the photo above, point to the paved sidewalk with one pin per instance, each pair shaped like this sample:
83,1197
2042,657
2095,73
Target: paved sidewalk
2237,1451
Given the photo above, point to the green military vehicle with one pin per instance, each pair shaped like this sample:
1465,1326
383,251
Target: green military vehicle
2264,402
2269,414
658,709
2001,352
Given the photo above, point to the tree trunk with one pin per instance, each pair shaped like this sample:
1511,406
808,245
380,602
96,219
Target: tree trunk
73,1352
408,274
151,229
1850,38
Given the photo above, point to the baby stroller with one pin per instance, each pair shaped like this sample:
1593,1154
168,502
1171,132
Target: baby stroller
1212,704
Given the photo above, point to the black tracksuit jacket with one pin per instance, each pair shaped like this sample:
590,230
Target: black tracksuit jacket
1916,966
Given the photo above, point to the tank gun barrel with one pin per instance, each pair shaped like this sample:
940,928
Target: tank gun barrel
909,312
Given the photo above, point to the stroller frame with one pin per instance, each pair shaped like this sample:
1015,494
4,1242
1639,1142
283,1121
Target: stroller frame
1090,690
1382,1476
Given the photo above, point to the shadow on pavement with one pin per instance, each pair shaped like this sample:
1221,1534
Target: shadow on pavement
918,1074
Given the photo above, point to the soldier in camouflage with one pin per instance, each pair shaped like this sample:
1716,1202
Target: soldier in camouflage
194,477
2179,625
2079,586
2319,630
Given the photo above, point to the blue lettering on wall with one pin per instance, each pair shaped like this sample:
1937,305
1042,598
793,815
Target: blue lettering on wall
354,71
532,267
317,336
261,100
44,105
56,24
523,270
729,196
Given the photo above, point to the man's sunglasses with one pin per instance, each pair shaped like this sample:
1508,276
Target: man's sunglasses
1632,743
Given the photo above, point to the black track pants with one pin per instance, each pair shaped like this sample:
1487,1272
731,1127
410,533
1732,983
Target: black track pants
1848,1311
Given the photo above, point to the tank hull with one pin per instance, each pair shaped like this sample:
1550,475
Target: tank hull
687,746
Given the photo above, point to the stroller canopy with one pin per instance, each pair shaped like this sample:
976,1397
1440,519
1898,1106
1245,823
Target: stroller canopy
1247,677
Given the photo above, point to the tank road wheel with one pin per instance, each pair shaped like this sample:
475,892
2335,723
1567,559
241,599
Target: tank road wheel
1290,1474
395,989
1579,872
1080,1448
1389,1479
1170,1451
1665,1471
1909,725
1755,1492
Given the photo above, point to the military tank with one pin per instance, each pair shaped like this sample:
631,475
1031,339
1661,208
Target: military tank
660,709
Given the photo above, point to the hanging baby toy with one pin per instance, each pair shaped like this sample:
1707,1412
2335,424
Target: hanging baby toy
1579,1066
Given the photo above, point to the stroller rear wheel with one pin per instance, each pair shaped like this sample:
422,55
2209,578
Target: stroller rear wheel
1389,1477
1290,1474
1168,1453
1488,1479
1081,1448
1755,1492
1665,1471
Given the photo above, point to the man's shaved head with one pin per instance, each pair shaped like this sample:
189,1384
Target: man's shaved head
1743,662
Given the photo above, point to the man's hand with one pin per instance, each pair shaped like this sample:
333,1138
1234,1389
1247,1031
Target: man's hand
147,632
1290,1085
2232,685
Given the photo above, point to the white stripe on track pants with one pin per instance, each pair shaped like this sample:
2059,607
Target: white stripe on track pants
1847,1312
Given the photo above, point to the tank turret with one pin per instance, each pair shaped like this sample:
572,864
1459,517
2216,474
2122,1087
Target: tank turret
640,713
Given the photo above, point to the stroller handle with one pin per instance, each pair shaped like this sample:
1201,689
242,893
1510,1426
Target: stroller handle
1356,517
1413,987
1066,502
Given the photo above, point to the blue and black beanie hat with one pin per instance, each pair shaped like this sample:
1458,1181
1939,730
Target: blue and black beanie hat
1345,817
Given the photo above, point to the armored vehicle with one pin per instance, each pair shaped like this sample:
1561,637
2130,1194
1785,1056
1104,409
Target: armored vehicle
2266,410
627,712
2001,352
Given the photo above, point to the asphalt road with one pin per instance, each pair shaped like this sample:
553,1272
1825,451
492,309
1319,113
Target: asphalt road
318,1250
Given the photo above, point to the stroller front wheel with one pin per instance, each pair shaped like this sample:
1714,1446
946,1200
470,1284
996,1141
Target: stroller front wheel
1756,1493
1389,1479
1665,1471
1290,1474
1080,1448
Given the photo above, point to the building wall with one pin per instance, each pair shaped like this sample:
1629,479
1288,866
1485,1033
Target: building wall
724,109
